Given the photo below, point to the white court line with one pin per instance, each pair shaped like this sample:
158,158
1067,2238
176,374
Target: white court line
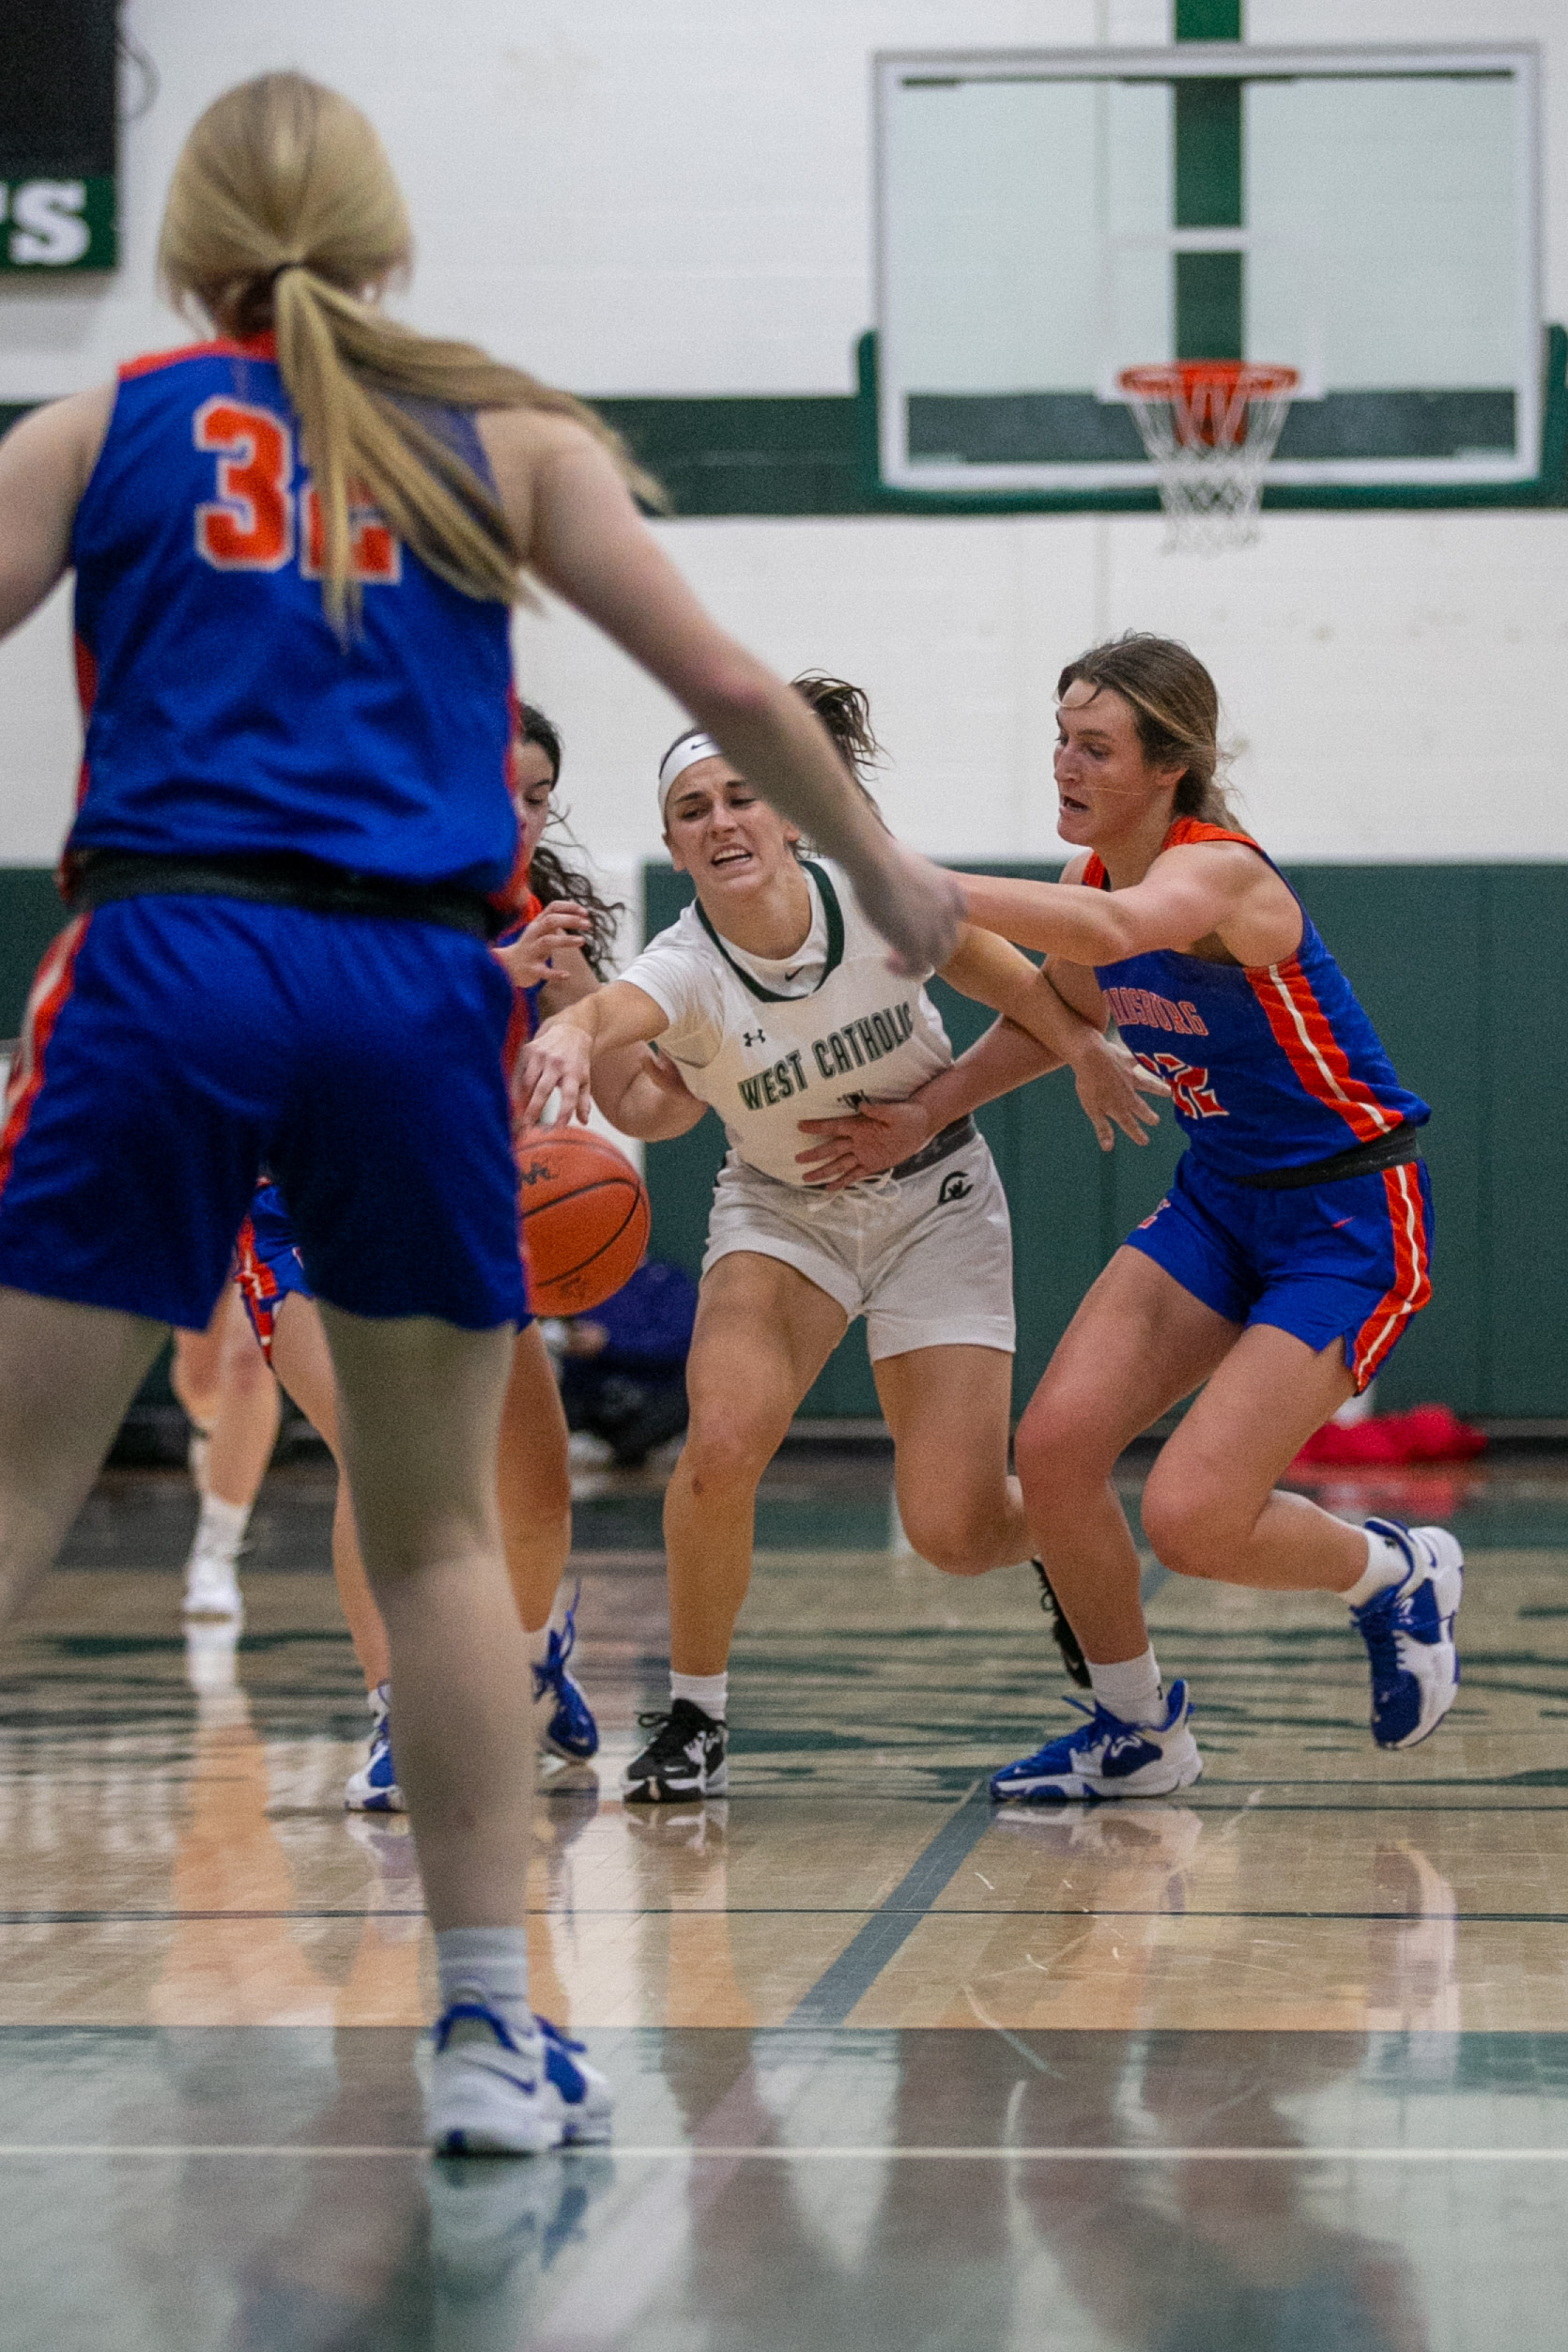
685,2153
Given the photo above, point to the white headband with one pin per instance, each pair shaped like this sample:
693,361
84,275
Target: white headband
679,757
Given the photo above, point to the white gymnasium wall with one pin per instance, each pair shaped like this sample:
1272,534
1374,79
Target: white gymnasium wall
640,197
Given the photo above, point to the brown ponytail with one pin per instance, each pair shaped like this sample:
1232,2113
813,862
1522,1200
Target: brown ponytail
284,212
845,710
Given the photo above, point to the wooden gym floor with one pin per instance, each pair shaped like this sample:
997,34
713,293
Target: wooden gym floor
1281,2065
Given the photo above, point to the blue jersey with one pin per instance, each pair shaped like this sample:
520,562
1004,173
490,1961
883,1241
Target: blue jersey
1271,1066
224,714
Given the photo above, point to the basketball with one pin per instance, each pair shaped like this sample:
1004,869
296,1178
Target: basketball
582,1210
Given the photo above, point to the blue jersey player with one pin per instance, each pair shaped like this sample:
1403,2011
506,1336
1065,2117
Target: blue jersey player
296,548
1287,1258
554,952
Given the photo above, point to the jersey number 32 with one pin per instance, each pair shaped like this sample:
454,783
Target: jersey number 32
252,526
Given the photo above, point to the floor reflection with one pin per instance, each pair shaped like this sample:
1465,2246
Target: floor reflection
1280,2067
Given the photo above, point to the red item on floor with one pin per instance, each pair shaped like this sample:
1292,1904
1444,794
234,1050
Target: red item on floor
1428,1433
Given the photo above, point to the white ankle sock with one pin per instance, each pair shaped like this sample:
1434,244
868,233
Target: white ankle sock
221,1528
711,1692
487,1965
1131,1690
379,1701
1386,1564
539,1642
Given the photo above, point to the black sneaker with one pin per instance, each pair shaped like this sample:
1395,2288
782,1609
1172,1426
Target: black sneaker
684,1758
1066,1639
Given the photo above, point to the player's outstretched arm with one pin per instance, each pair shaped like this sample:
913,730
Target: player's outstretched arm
643,1094
880,1135
45,464
576,521
1110,1085
560,1059
1193,892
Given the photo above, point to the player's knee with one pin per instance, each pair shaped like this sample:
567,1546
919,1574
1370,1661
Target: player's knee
946,1535
1191,1526
246,1372
725,1450
1057,1453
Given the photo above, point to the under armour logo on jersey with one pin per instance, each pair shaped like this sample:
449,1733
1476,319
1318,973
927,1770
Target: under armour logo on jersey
1190,1088
955,1186
753,1037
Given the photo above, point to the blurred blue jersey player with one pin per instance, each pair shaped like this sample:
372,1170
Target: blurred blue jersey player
296,548
564,944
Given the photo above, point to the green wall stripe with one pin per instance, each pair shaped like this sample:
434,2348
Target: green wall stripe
1208,19
1549,487
1496,1144
816,455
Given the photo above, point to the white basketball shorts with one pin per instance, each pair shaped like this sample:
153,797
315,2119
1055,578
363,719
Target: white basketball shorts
927,1259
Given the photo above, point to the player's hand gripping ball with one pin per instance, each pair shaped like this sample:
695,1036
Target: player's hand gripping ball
583,1212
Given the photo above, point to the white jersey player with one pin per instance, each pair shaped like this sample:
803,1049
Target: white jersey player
772,1001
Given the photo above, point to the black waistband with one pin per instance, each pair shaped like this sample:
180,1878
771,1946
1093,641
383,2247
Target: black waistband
1395,1150
284,879
941,1148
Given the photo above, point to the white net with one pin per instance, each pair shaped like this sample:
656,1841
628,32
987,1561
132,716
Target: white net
1211,427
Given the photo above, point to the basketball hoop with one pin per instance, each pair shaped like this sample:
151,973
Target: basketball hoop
1209,427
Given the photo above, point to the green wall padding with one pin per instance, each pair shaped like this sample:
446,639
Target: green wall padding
1442,957
31,912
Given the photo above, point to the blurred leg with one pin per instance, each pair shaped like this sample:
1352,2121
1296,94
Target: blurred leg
193,1372
534,1482
243,1426
303,1363
419,1406
67,1376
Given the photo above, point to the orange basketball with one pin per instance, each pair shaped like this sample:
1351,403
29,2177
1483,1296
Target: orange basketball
583,1211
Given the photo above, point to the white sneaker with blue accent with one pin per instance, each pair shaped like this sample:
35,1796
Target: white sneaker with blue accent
569,1730
496,2093
1408,1632
1107,1758
373,1787
585,2093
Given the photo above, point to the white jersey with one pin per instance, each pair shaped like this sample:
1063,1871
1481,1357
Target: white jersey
769,1043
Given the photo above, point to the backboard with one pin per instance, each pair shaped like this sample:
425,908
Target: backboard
1368,216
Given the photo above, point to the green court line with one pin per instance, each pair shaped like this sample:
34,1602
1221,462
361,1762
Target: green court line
852,1975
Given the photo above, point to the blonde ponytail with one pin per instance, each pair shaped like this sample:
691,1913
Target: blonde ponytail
284,212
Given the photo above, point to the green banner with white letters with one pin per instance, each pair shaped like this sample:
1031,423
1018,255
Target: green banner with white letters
50,223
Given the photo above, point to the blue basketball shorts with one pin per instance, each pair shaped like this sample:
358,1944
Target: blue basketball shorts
175,1046
1348,1261
267,1263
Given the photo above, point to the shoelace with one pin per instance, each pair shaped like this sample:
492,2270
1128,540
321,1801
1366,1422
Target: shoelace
1117,1733
568,1636
557,1651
